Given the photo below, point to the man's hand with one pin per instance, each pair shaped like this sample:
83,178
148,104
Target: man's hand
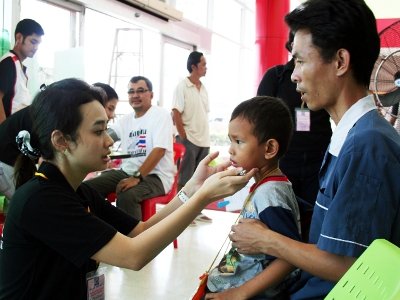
229,294
249,236
126,184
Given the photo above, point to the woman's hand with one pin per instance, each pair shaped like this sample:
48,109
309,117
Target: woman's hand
215,183
203,171
224,183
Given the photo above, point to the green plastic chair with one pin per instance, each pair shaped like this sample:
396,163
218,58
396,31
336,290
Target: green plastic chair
375,275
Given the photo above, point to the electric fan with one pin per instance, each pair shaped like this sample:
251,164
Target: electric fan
386,75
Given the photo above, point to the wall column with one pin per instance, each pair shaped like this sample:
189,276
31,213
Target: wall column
271,33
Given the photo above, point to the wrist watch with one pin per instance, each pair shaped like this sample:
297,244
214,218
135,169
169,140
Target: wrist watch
137,175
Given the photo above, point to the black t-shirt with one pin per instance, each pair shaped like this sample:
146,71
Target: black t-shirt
50,235
9,129
8,75
276,82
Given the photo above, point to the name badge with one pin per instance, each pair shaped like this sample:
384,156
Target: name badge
95,282
303,119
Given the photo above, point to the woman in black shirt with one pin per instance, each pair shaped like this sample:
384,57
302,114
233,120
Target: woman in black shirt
58,229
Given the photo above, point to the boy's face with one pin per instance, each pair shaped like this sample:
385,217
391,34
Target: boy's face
245,150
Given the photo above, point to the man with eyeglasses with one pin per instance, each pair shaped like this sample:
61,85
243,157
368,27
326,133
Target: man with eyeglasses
147,135
14,93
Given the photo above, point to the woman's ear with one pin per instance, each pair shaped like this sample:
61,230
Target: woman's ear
271,148
59,141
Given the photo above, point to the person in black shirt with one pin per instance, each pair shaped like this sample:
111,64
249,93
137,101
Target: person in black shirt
58,229
9,152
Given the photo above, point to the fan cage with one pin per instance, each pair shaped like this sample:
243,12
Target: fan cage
386,75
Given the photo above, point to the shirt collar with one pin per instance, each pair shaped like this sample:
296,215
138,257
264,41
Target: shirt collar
53,173
188,82
13,52
351,116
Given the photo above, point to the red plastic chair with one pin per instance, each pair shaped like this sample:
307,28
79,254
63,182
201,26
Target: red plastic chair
149,205
2,220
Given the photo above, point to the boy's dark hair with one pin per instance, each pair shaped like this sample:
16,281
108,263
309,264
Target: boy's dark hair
110,92
28,27
336,24
135,79
193,59
270,118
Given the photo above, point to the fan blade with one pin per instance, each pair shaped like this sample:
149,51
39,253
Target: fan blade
390,99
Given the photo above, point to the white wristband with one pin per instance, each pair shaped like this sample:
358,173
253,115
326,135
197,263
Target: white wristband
182,196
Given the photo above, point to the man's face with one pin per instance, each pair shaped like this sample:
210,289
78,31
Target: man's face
28,45
316,79
139,97
201,67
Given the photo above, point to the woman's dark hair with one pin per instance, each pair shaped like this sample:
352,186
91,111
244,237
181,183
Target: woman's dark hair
57,107
270,118
193,59
337,24
110,92
24,169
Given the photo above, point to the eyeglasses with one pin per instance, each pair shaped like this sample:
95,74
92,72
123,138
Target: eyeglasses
139,91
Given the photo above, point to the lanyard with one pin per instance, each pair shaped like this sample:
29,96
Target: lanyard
253,188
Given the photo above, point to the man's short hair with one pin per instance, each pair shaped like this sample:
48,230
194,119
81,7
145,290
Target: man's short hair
28,27
193,59
336,24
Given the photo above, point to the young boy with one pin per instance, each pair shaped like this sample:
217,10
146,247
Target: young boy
260,130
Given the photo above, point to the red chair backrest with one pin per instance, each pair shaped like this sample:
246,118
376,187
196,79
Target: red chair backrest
179,152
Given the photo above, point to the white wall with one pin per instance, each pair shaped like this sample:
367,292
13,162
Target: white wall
385,9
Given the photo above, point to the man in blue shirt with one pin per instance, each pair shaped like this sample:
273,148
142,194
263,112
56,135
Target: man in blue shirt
335,48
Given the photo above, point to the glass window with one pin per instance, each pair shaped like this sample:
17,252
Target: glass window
5,27
56,39
174,70
136,51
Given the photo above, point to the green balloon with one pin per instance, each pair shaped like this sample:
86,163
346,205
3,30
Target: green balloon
5,44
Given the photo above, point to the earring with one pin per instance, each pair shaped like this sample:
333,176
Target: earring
65,151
